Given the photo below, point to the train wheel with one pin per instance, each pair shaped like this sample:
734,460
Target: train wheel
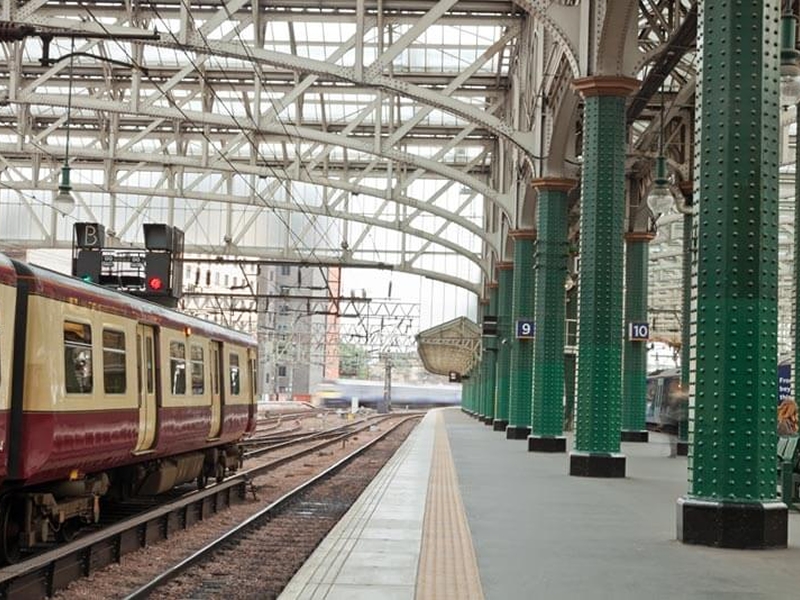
10,521
69,531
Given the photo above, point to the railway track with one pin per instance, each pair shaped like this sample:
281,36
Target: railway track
46,573
287,530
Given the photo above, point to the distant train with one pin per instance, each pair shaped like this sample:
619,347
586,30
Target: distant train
107,395
339,393
664,385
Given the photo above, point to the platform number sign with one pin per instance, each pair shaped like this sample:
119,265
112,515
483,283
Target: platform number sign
525,329
638,332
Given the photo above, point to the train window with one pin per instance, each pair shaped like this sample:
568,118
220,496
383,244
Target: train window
77,357
113,361
234,372
177,367
198,370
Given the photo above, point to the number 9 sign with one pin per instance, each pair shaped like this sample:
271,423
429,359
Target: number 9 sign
526,329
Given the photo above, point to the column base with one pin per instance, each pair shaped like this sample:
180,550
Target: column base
586,464
683,448
546,444
488,420
500,425
758,525
517,432
634,436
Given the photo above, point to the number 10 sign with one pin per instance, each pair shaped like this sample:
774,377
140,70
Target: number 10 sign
638,332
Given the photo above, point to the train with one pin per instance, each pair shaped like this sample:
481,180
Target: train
104,395
339,393
665,384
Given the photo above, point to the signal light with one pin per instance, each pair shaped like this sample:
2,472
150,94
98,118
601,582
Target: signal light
155,283
87,279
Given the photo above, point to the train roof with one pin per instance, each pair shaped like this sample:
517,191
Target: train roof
52,284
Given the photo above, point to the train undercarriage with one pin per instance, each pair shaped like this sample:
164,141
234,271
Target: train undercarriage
56,511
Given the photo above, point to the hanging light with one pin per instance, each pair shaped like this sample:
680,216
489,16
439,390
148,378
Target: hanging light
63,201
790,70
660,199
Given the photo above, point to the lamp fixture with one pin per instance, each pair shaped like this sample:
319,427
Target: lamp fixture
63,201
790,69
660,199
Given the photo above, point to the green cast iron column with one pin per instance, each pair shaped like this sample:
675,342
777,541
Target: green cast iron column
732,498
570,358
490,358
483,367
519,398
505,280
550,271
689,242
634,372
597,439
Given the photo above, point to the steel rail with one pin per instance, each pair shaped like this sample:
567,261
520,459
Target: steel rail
252,522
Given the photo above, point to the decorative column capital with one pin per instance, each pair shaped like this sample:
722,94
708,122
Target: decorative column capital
640,236
492,285
484,301
522,234
606,85
504,265
556,184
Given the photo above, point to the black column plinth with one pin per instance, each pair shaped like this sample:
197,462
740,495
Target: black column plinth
683,448
582,464
733,525
634,436
499,425
488,421
547,444
517,432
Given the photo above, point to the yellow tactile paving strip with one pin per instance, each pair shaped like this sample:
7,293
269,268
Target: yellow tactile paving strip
448,568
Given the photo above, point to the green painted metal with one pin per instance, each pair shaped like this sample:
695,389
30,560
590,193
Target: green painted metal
570,358
550,270
599,364
634,372
521,384
689,239
490,358
505,279
732,427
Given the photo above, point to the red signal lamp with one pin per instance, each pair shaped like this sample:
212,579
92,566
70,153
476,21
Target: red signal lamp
155,283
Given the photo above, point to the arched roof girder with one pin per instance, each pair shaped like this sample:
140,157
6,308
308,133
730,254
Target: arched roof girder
271,204
523,140
164,160
555,18
291,131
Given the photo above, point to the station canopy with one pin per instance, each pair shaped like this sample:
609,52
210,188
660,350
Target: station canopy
453,346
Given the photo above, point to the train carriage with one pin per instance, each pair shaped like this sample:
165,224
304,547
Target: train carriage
107,394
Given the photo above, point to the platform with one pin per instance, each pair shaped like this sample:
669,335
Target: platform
536,532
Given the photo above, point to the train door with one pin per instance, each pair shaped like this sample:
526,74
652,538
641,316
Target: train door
216,390
146,368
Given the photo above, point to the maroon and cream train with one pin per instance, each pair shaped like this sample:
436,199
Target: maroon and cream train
105,394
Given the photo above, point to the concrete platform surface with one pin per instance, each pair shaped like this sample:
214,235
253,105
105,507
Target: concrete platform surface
540,533
536,532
